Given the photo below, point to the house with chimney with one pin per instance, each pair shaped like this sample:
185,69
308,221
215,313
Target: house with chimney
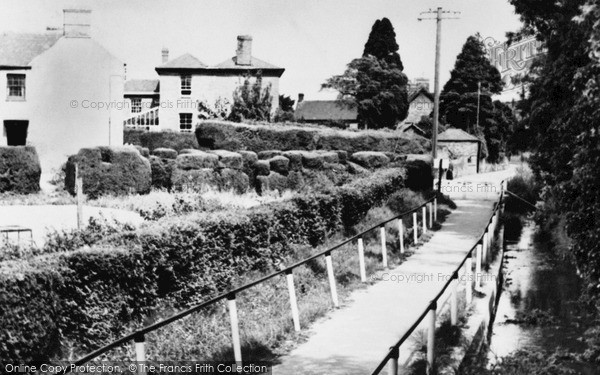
185,84
55,83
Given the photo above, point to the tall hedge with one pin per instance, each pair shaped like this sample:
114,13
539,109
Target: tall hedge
20,169
89,296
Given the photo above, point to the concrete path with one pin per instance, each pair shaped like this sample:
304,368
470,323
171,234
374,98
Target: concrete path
355,338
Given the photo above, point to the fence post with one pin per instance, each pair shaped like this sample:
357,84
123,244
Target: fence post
235,329
401,234
331,276
469,282
383,246
140,352
79,198
361,260
454,300
393,361
478,267
431,337
435,209
424,214
415,228
289,275
430,207
484,247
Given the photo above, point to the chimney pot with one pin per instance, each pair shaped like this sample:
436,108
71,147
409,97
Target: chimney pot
165,55
76,23
244,50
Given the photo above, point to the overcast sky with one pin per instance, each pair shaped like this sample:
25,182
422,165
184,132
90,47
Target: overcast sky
311,39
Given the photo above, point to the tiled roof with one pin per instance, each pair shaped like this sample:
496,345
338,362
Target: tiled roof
412,95
405,127
454,134
325,110
186,61
255,64
142,85
18,49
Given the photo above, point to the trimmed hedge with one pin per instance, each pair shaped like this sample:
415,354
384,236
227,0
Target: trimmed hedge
164,139
234,136
20,169
92,296
109,170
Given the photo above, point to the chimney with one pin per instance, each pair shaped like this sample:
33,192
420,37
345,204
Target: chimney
165,55
244,50
300,98
76,23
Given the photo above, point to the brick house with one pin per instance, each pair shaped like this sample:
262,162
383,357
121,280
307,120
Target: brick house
185,81
53,81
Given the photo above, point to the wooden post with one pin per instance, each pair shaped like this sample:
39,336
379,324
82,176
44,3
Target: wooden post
79,192
289,275
415,228
484,242
469,282
401,234
454,301
361,260
478,268
331,276
140,352
430,207
440,176
235,329
424,214
383,246
431,337
393,361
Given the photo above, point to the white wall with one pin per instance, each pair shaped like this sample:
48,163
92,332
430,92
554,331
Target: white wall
75,73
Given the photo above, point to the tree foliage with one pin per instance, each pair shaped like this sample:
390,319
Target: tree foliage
564,97
251,101
458,102
375,82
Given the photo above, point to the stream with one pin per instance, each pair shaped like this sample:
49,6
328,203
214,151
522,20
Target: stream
538,307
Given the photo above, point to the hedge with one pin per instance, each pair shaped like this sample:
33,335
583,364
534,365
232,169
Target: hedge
91,296
234,136
164,139
20,169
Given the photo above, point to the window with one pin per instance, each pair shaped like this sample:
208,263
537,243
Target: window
185,122
186,85
136,105
16,86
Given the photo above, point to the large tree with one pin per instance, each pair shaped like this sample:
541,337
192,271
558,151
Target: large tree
252,101
472,74
375,82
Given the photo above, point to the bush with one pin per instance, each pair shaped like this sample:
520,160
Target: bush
419,175
164,139
89,296
19,170
233,136
525,186
109,170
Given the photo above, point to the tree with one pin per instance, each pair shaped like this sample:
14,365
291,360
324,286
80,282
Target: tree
251,101
459,107
375,83
285,112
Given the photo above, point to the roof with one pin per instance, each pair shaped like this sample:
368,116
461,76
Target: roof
454,134
149,86
406,126
19,49
412,95
325,110
255,64
186,61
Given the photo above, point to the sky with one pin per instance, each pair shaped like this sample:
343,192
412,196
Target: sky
311,39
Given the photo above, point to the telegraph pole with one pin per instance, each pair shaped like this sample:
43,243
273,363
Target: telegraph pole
436,95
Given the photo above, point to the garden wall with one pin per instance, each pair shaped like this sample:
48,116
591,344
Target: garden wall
91,296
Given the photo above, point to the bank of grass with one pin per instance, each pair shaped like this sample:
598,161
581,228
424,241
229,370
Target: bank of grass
266,325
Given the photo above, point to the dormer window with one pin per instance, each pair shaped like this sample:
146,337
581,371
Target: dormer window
186,84
15,86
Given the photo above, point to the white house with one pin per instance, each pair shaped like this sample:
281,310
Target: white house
185,82
59,90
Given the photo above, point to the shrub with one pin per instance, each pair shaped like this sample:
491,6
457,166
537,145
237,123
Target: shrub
251,101
163,139
525,186
419,175
162,169
19,169
109,170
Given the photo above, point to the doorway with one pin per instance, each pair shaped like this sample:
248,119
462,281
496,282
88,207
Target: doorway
16,132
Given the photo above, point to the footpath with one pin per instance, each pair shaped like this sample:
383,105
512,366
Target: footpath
355,338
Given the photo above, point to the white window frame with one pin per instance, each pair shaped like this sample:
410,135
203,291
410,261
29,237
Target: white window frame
136,105
21,87
184,126
186,84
